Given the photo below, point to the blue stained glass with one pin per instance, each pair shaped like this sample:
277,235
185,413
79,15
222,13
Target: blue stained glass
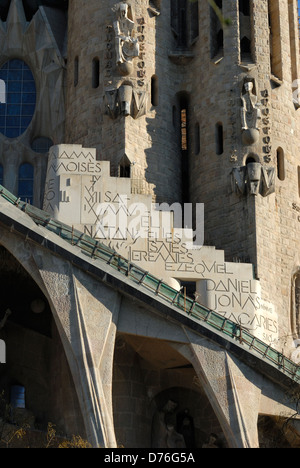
25,185
14,87
14,64
20,98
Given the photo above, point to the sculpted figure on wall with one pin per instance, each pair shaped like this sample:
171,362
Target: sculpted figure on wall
250,114
164,434
127,46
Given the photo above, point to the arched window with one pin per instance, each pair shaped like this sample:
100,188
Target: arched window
280,164
95,73
219,138
25,182
154,90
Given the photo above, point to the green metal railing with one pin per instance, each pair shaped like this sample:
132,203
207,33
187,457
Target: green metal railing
192,308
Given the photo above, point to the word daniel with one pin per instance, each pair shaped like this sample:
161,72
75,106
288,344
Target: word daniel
118,220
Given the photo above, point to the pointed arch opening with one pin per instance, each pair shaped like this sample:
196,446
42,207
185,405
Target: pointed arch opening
36,366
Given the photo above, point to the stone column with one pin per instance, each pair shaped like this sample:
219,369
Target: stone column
85,313
228,385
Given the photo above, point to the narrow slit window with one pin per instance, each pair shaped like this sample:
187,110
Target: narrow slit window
219,138
179,22
194,20
245,31
280,164
184,144
275,39
216,31
294,37
183,126
154,90
95,73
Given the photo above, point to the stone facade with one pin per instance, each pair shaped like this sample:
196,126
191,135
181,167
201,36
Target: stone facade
150,102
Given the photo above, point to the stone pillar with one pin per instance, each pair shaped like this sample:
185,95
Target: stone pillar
228,385
86,316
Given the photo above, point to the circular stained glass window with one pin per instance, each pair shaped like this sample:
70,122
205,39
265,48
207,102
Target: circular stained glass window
17,98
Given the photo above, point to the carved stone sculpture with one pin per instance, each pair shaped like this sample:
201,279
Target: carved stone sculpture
212,442
250,114
164,434
127,46
254,179
125,101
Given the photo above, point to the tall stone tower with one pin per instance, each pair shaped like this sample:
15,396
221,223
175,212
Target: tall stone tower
122,104
200,105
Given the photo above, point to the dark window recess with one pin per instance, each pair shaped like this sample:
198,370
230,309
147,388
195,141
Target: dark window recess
219,138
125,167
185,22
216,31
154,90
245,31
95,73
